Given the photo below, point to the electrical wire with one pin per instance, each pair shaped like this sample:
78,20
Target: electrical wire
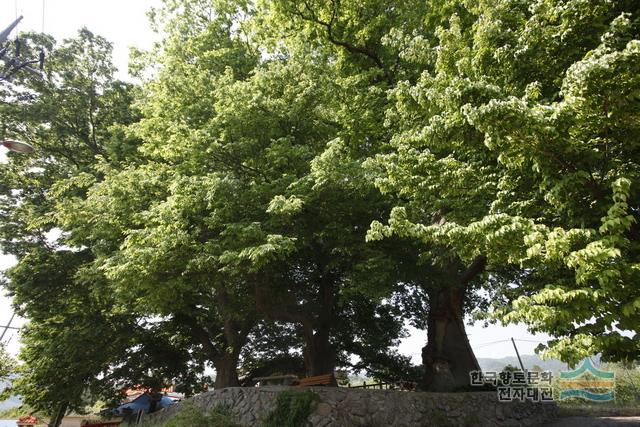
485,344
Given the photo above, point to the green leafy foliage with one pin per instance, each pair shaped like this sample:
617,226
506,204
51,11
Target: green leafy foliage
18,411
517,143
189,416
292,408
627,390
80,343
325,170
7,364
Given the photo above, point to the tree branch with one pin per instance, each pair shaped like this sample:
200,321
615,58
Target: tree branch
200,333
349,47
285,313
477,266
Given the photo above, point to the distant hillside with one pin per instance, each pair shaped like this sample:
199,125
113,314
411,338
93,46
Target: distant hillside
11,402
528,360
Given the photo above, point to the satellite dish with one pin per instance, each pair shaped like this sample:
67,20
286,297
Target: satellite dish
17,146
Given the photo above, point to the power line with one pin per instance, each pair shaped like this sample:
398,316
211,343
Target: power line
8,325
486,344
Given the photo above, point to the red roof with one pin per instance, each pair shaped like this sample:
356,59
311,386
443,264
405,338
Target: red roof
27,420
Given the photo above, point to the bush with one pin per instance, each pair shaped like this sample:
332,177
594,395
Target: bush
292,409
190,416
627,383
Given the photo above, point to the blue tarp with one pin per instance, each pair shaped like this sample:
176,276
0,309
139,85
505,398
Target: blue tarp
143,402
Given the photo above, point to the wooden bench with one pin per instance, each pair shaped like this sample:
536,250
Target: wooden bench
322,380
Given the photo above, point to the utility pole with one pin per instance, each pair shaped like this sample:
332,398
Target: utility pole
8,326
517,354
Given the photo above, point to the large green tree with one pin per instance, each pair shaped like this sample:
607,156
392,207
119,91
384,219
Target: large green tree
570,130
521,130
380,50
332,169
80,338
236,212
154,227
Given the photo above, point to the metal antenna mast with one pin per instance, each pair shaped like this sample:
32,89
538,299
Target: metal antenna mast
13,64
4,35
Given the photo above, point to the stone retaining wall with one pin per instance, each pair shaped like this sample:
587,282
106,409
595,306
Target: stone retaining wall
342,407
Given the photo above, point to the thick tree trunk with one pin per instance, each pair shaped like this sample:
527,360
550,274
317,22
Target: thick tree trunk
223,345
223,353
226,363
226,371
319,355
447,357
57,417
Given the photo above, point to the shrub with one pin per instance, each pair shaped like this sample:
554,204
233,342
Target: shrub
292,409
190,416
627,383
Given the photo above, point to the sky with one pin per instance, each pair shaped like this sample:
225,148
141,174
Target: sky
124,23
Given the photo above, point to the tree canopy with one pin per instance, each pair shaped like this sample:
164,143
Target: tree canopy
79,338
294,182
526,146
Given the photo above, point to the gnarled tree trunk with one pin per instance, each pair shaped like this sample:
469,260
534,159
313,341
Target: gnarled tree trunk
319,355
222,346
448,358
226,371
226,362
59,414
